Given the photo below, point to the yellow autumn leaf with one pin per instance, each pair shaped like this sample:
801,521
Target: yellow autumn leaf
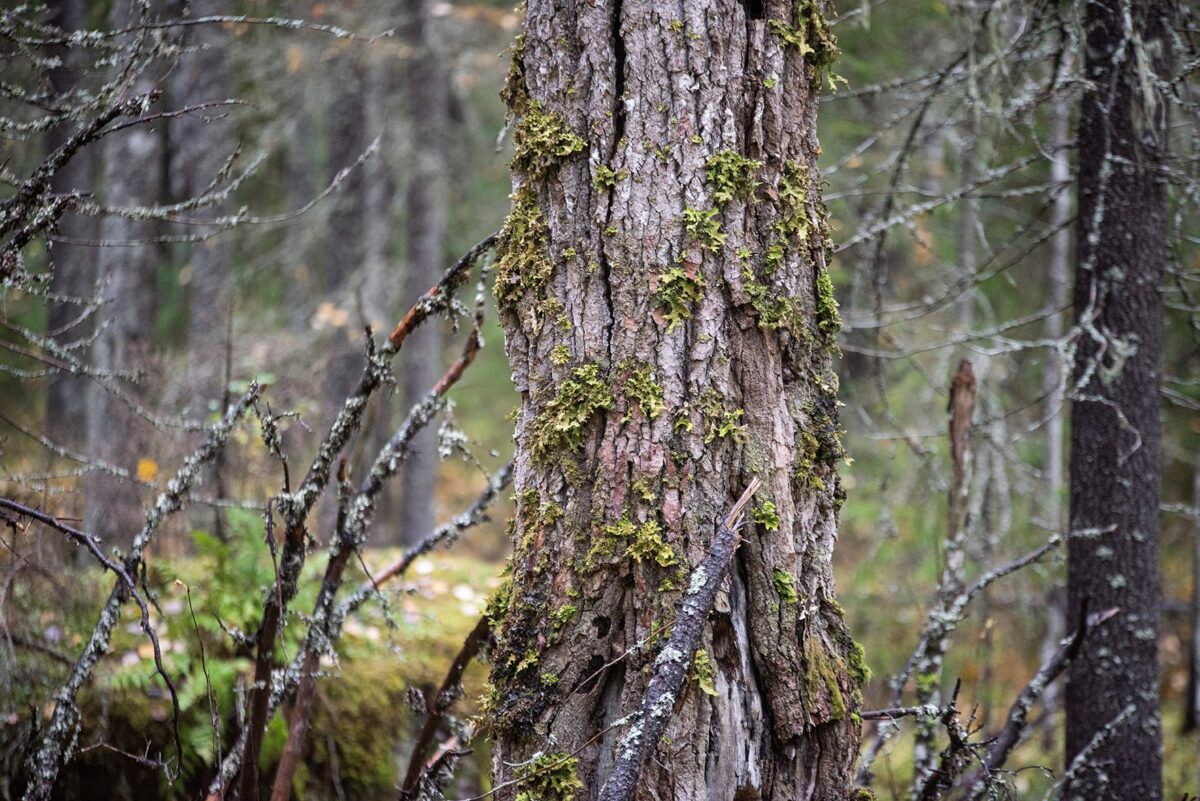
147,469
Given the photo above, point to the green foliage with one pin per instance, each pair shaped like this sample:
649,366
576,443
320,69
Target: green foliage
731,175
562,422
703,226
677,293
549,777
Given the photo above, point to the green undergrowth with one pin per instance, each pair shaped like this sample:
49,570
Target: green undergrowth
361,722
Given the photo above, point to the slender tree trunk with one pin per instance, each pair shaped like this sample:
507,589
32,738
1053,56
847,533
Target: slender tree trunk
428,105
128,265
1053,386
200,143
74,264
669,322
1116,437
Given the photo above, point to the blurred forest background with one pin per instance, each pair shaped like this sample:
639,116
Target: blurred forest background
374,163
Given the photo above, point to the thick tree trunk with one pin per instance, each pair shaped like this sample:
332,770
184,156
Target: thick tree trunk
669,321
74,264
128,264
1116,437
428,98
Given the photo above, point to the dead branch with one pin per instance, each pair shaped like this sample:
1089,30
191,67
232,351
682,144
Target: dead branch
671,666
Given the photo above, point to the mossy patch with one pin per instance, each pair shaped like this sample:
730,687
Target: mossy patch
829,319
561,424
522,266
541,141
549,777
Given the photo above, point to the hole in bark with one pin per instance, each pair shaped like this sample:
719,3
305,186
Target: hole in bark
591,672
746,793
755,9
602,624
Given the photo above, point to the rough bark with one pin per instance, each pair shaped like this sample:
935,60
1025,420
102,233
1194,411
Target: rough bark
128,264
74,264
1116,437
427,93
669,323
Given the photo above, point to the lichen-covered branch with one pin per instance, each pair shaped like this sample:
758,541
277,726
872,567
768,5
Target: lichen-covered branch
673,662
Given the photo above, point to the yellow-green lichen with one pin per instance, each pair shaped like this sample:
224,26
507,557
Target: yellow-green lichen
785,585
542,139
562,422
731,175
605,177
523,265
560,356
705,672
563,615
642,543
639,386
549,777
721,422
860,671
677,292
766,516
703,226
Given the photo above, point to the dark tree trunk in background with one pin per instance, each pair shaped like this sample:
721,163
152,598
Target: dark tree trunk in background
670,333
117,435
200,144
1116,437
428,96
74,265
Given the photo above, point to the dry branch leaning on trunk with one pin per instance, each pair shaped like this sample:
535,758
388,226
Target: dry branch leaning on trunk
671,666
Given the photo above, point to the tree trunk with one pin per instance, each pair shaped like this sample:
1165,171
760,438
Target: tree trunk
428,97
1116,437
200,144
669,321
74,264
128,264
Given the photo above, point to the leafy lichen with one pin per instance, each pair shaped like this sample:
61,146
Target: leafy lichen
785,585
677,292
639,386
542,139
731,175
605,177
703,226
549,777
642,543
561,423
705,672
829,320
766,516
523,265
